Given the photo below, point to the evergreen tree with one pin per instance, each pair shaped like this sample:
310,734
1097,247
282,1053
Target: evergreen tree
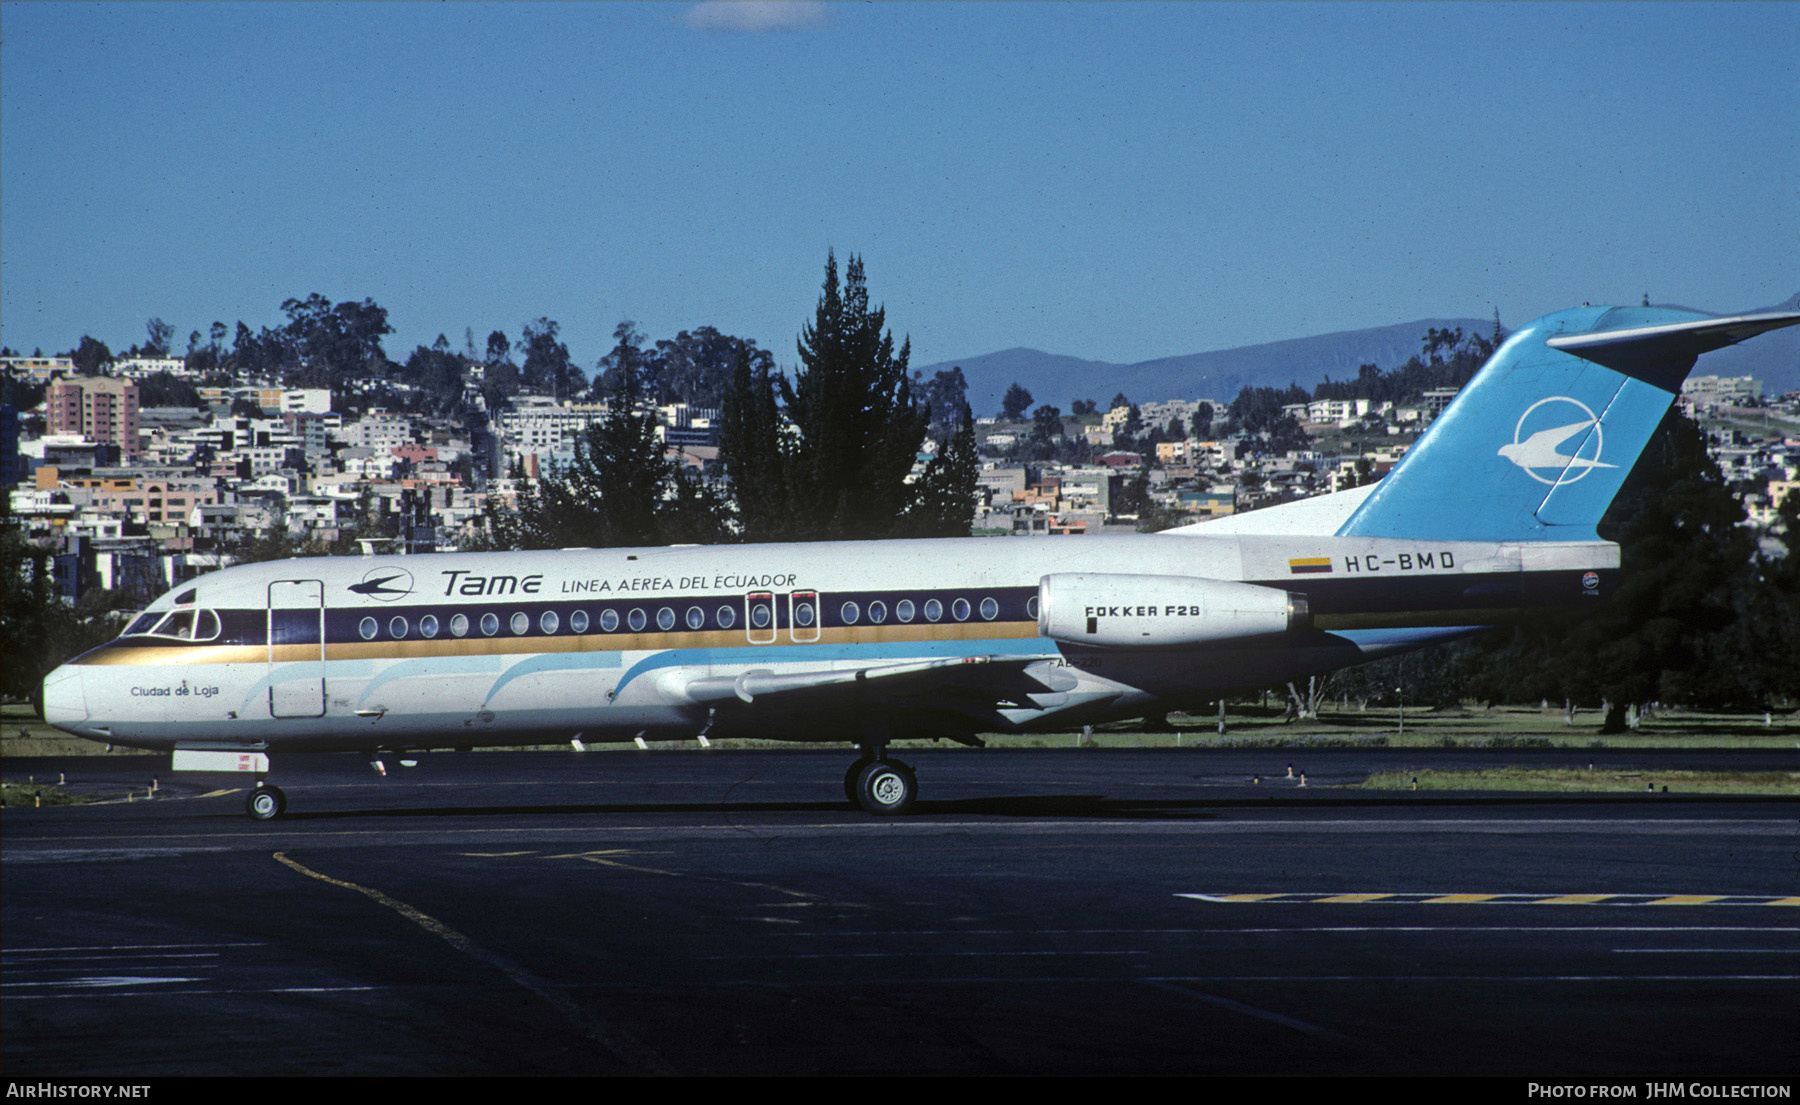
1203,416
944,502
1667,632
857,429
621,490
28,607
750,448
1776,603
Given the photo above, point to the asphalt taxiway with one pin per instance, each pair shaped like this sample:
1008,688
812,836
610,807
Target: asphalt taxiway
1083,912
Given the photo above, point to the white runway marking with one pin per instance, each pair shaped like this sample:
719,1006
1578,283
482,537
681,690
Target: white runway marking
1247,1010
100,981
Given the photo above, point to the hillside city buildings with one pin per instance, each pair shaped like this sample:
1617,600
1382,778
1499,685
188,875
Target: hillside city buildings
123,496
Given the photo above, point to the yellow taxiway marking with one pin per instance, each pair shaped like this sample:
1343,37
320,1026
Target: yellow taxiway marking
1355,898
1687,899
596,857
1575,899
1247,897
621,1045
1458,899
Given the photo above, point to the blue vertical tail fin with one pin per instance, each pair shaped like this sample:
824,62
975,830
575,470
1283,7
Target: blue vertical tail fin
1539,442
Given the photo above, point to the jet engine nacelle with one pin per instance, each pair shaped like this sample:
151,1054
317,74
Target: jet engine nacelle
1144,611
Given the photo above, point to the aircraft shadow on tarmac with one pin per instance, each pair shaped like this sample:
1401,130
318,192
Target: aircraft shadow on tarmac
1072,806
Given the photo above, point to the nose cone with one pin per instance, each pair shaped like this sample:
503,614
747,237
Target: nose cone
65,701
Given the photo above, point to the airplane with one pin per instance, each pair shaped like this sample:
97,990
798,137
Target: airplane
868,642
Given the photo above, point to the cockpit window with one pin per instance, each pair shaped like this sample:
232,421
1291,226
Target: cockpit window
181,625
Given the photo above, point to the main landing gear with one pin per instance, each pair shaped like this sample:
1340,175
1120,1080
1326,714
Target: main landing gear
880,785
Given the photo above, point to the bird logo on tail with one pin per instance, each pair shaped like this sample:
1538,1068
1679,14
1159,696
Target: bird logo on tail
1538,452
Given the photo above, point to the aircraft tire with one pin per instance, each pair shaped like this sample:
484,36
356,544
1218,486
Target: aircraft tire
851,776
886,788
266,803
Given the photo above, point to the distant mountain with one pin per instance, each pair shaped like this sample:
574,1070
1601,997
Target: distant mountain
1056,379
1773,358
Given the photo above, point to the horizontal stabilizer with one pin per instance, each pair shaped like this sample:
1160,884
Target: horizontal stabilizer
1662,355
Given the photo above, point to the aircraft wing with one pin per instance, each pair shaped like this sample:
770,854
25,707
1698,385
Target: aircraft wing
1000,680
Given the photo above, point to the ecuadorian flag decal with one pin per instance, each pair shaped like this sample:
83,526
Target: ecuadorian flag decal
1309,565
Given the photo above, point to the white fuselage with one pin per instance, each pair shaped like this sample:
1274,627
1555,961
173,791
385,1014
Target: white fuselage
457,650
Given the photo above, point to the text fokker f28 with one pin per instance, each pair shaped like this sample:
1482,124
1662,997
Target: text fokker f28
1492,512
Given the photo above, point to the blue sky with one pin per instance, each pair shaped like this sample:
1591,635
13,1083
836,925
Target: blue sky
1111,181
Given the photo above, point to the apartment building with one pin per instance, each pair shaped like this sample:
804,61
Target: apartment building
98,408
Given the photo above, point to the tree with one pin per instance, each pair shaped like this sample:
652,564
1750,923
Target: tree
209,357
1132,499
1775,606
160,389
438,372
1046,430
90,356
1013,406
1203,416
500,376
857,431
548,366
695,367
621,489
944,502
38,630
751,450
945,397
1666,632
161,334
327,346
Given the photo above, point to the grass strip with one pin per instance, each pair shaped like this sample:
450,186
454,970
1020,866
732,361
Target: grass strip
1591,780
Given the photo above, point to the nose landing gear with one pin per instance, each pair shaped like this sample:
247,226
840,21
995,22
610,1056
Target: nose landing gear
266,802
